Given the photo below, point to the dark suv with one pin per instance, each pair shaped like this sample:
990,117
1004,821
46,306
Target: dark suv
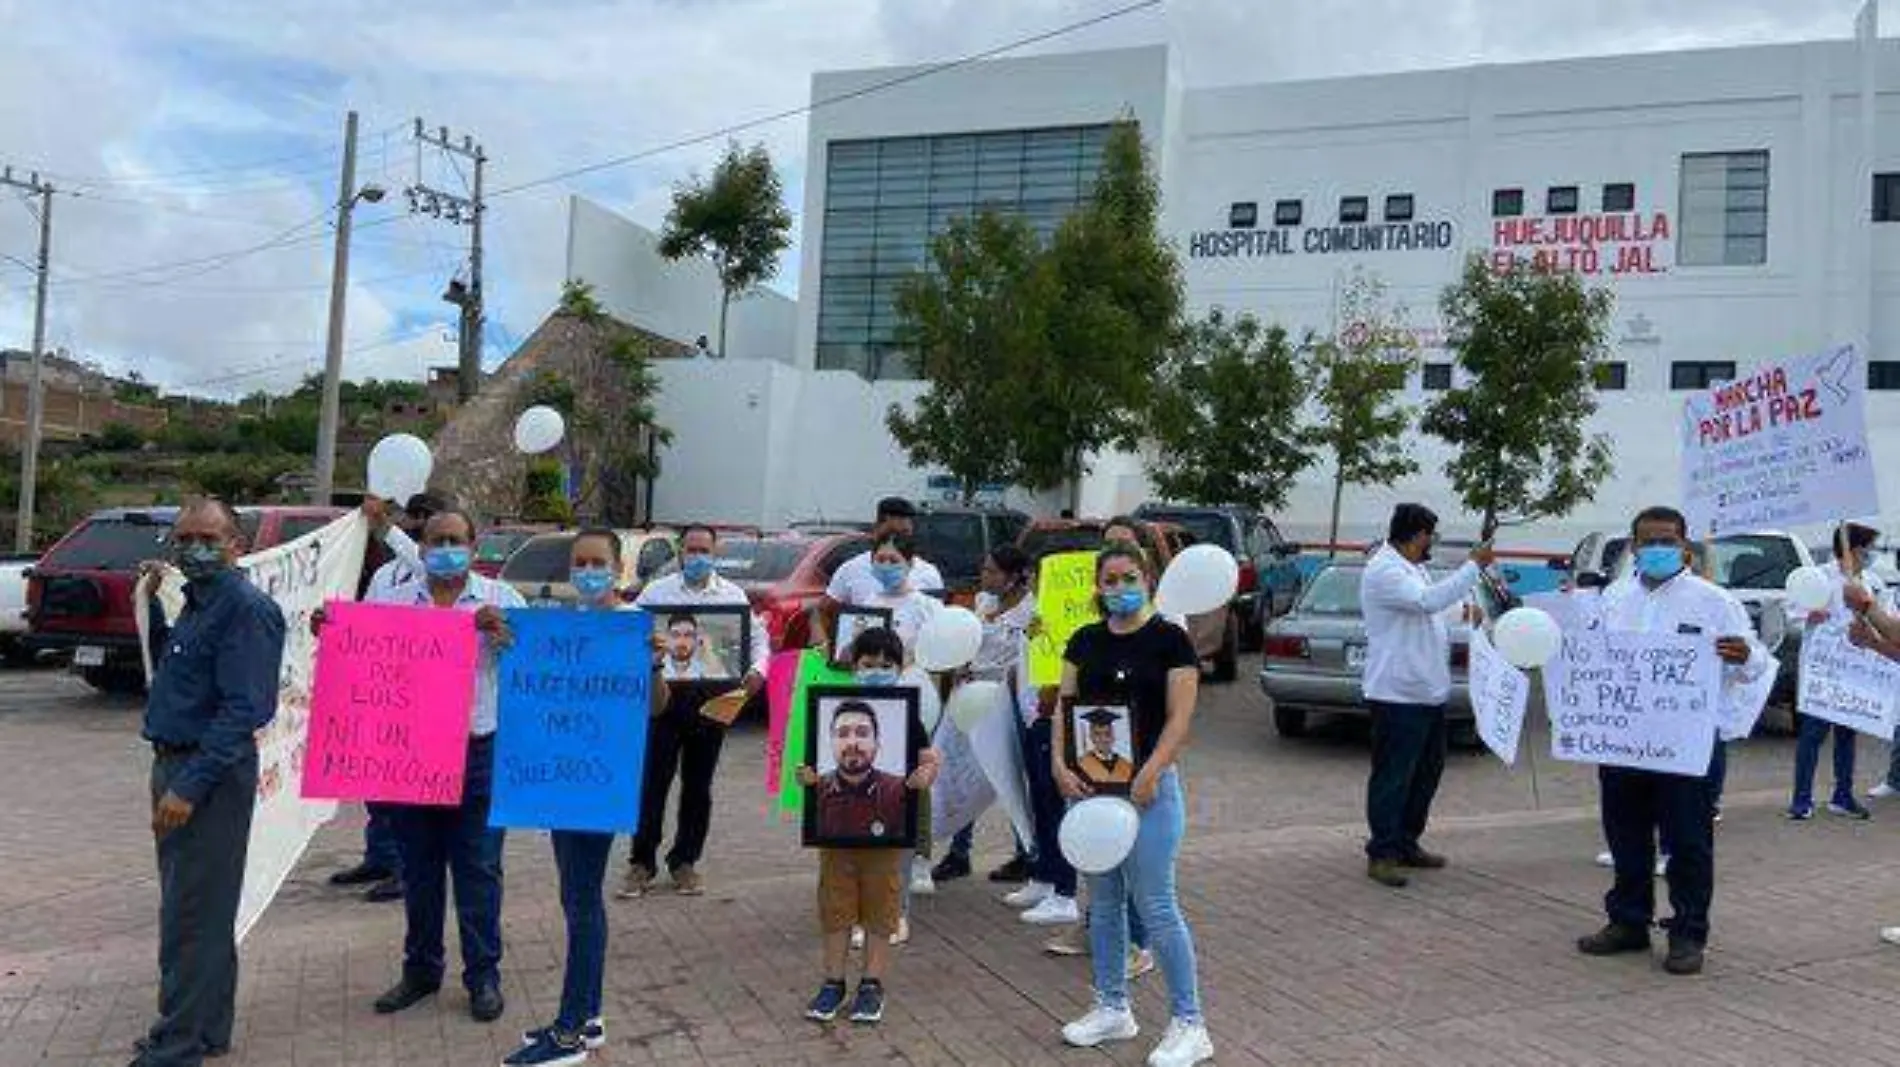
955,538
1269,571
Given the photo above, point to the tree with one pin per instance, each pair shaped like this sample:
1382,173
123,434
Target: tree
1224,425
737,218
1358,375
613,429
1528,341
977,326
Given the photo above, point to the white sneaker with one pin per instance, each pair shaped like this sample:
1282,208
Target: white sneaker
1604,859
1881,791
921,884
1030,895
1101,1025
902,935
1053,911
857,938
1184,1045
1140,962
1891,935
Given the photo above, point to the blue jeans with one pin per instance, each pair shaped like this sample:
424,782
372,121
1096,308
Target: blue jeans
1145,880
581,859
438,843
1807,758
1408,758
381,849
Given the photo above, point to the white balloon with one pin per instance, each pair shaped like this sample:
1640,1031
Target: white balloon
1098,834
539,429
399,467
1809,589
1527,637
973,701
949,639
1201,579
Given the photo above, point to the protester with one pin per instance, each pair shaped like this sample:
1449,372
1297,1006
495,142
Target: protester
683,742
856,582
440,842
214,685
1135,658
1853,552
581,858
1663,596
1877,629
1407,683
860,887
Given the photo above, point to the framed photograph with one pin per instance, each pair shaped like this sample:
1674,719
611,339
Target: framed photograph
704,645
853,621
864,743
1101,749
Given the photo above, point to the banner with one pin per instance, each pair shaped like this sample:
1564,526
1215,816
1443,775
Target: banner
997,745
962,791
1784,445
575,698
1641,700
1065,602
1845,685
1743,704
301,576
1500,693
395,687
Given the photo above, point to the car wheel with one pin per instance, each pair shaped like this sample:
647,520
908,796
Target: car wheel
1289,722
1227,660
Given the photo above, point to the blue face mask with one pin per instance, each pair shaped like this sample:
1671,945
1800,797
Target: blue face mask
1126,601
696,569
881,676
201,562
446,561
592,583
1659,562
890,575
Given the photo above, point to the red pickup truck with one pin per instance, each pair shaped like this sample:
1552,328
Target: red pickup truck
79,595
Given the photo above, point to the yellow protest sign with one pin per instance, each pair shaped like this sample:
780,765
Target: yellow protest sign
1065,602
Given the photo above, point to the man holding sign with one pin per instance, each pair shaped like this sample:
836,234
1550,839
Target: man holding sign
1662,598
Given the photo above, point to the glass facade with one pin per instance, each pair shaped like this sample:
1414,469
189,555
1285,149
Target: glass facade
886,199
1724,217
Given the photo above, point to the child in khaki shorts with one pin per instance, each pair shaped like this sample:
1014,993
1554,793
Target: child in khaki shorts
863,886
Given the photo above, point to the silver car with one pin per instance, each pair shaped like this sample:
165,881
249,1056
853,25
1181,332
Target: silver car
1315,655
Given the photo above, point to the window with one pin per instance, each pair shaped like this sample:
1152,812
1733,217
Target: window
1612,376
1398,207
1354,208
1700,374
1887,198
1507,203
1437,377
1287,212
1242,214
1561,200
1883,374
1619,196
1723,220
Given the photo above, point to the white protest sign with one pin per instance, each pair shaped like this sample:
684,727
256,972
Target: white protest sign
301,576
998,749
1499,695
1573,610
1641,700
962,791
1783,445
1845,685
1743,704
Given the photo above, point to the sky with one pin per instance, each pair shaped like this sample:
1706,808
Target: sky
196,144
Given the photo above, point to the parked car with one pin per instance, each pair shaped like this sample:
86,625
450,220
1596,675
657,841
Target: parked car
785,575
1315,655
1269,568
826,527
539,568
955,538
79,596
496,544
13,625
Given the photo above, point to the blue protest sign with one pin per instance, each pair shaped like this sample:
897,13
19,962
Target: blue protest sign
571,747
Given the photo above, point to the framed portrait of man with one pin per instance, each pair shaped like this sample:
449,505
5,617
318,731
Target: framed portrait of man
853,621
704,645
863,742
1101,748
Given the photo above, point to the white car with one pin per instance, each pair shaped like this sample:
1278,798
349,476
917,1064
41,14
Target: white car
13,624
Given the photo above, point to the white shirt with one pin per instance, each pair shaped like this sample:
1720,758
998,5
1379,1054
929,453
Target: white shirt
673,592
1004,655
478,593
855,584
1688,603
1836,604
1408,634
910,610
406,567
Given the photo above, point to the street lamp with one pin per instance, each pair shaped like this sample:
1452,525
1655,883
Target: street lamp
347,197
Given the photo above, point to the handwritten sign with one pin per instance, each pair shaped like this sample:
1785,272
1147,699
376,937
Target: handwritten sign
1500,693
1743,704
1784,445
1065,602
1647,701
575,692
394,690
1845,685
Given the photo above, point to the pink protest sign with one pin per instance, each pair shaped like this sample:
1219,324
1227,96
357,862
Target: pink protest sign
780,679
390,706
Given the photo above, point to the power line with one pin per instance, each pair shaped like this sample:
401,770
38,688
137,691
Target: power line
172,209
286,239
867,90
232,171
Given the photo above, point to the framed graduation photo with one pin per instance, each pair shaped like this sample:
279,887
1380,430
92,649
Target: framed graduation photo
853,621
1101,749
863,742
706,645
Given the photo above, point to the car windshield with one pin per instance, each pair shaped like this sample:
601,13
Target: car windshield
1048,542
754,559
111,545
1754,562
1333,591
953,543
1208,527
298,525
497,547
544,559
1613,550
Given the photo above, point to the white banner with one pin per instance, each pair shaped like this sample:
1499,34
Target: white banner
1845,685
1783,445
301,576
1743,704
1500,693
1647,701
997,745
962,790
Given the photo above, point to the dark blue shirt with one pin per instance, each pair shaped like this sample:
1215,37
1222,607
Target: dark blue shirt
215,678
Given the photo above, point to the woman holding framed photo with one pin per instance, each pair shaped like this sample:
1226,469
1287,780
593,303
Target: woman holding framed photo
1136,663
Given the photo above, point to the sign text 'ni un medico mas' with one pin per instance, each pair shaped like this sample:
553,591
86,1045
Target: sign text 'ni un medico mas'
1321,240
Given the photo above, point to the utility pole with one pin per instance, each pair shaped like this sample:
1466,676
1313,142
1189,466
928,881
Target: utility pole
35,401
347,196
459,210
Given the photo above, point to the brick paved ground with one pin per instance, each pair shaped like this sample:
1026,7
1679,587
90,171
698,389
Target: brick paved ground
1304,960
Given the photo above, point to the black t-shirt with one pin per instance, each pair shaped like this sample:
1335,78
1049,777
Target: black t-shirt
1131,668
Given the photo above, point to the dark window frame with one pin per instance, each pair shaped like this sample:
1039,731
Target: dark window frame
1886,197
1243,215
1686,375
1507,203
1288,212
1883,375
1556,196
1612,376
1435,377
1350,206
1619,197
1400,207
